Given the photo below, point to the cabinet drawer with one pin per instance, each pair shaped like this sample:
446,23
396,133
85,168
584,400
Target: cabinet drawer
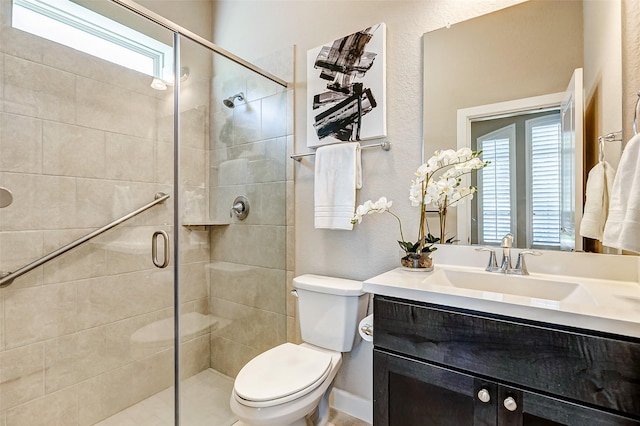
602,371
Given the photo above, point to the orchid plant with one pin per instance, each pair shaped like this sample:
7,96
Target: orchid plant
446,190
438,184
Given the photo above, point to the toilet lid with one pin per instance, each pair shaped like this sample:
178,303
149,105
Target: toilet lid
284,370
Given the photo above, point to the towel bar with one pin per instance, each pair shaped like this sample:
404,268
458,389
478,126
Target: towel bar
386,145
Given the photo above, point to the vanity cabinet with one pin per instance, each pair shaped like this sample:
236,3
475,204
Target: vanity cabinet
436,365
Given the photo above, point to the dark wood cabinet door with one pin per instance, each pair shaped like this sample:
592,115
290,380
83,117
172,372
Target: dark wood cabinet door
410,392
413,393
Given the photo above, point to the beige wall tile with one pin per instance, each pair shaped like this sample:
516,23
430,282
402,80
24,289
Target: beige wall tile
110,299
193,282
221,128
266,329
37,313
194,244
105,395
100,202
21,375
2,343
56,409
268,204
19,248
246,122
126,248
139,337
69,150
234,320
195,356
194,166
251,286
20,143
40,202
194,127
28,90
84,261
293,331
152,374
259,87
164,163
274,115
264,245
108,107
2,68
130,158
75,357
228,357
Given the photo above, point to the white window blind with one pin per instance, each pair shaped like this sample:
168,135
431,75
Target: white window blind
543,149
495,202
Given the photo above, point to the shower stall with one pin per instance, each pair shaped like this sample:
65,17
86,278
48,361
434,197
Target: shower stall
143,222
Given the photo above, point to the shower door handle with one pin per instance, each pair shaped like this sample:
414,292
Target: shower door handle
165,249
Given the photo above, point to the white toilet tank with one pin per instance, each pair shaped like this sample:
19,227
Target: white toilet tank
329,310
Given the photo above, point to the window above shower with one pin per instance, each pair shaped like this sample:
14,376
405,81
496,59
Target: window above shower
72,25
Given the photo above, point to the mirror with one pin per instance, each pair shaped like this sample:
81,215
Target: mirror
516,54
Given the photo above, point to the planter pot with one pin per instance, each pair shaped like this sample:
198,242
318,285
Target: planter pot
417,261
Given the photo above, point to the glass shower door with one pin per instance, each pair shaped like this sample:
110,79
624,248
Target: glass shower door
87,337
233,185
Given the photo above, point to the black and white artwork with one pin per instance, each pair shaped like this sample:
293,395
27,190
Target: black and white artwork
346,88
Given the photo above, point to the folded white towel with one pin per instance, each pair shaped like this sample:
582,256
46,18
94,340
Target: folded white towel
622,229
596,206
338,174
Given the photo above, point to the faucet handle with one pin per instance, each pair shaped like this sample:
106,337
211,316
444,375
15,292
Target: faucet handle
492,266
521,267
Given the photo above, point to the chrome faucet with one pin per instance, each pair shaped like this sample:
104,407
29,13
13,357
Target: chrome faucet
506,244
505,266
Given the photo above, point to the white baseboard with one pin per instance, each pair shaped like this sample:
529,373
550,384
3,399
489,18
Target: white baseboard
353,405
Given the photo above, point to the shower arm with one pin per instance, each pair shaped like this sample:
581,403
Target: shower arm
7,278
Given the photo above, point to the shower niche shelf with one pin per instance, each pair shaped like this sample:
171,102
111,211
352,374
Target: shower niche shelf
189,223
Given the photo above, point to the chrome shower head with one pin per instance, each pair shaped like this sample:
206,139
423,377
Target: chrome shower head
230,101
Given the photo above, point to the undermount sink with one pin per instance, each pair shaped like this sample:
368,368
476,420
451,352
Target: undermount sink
516,285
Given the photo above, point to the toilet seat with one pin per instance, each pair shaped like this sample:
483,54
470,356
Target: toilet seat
282,374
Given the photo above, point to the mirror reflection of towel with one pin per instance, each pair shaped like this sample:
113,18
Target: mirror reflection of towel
338,173
622,229
596,206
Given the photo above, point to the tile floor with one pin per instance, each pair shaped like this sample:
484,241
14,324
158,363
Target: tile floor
205,402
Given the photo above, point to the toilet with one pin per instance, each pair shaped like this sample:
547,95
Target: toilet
290,384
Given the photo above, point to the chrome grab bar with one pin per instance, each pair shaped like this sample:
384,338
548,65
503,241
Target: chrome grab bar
7,278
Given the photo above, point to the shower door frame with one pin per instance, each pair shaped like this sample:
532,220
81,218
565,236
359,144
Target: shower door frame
179,31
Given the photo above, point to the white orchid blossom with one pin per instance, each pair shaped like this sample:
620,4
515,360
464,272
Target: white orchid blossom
427,190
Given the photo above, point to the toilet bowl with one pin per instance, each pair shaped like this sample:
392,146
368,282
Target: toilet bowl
300,376
290,384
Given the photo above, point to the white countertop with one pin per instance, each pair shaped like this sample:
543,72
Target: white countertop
605,304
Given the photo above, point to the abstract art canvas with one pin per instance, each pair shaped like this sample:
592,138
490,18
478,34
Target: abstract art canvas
346,88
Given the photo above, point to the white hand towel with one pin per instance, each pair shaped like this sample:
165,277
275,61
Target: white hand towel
622,229
596,206
338,174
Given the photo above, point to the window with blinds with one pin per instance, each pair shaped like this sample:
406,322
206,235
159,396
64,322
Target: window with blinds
543,180
524,152
495,201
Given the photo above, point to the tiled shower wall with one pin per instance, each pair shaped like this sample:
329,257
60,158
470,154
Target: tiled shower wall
83,142
251,260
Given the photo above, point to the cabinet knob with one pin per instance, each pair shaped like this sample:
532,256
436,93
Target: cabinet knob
510,404
483,395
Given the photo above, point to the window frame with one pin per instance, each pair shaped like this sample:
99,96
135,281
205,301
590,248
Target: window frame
78,18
